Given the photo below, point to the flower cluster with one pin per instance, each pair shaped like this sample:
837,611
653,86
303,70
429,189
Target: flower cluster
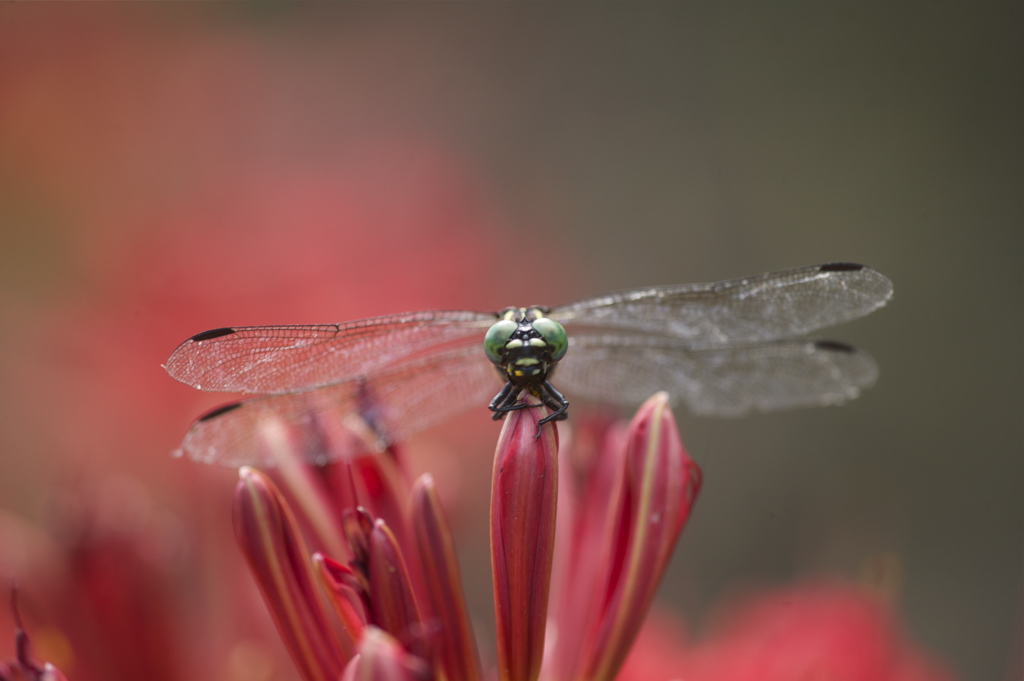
380,597
357,567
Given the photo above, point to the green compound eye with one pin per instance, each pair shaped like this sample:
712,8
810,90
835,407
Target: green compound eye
554,335
496,338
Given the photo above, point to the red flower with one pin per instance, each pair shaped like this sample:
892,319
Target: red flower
388,602
401,599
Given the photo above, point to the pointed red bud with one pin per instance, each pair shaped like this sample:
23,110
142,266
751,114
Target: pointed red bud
392,604
344,593
269,537
524,492
445,618
660,486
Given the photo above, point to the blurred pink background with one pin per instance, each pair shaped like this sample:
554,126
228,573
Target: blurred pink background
167,169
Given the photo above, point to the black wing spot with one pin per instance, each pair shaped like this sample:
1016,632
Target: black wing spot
217,411
212,333
834,346
841,267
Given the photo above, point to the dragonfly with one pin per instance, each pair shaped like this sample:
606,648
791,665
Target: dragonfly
722,349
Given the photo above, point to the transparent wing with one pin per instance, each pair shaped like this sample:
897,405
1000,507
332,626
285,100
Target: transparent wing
727,381
767,307
357,416
285,359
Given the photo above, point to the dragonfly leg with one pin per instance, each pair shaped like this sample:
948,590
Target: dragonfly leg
505,401
555,401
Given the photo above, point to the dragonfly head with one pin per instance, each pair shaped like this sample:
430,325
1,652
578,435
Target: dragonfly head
525,345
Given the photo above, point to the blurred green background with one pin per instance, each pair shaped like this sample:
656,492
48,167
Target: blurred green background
597,146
